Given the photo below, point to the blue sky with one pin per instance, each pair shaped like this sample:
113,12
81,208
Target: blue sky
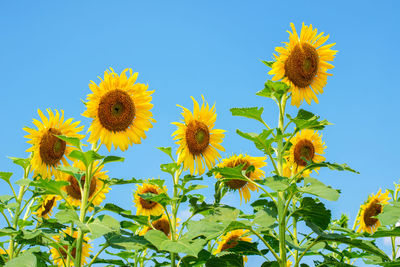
52,49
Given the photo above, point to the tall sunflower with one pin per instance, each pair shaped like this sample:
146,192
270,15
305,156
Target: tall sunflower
48,150
198,141
96,190
303,64
48,202
120,109
370,209
308,145
148,207
60,256
243,186
231,240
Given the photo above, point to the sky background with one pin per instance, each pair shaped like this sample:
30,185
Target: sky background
50,50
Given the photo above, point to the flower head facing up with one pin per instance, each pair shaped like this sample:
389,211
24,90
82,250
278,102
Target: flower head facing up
243,186
303,64
60,256
306,146
148,207
48,150
366,217
120,109
198,141
231,240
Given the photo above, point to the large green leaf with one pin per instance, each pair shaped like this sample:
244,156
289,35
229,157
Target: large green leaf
225,259
166,150
25,260
24,163
252,113
76,142
185,246
332,166
109,159
102,225
317,188
390,214
162,198
312,211
118,241
307,120
86,157
276,183
170,168
50,186
261,140
6,176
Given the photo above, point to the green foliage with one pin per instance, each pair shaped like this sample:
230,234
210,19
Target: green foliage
252,113
307,120
102,225
87,157
314,212
319,189
74,141
274,90
261,141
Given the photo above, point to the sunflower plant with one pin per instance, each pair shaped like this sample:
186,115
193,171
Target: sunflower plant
57,213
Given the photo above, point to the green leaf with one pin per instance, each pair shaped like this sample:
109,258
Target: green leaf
25,260
385,233
261,140
274,90
162,242
24,163
319,189
276,183
225,259
332,166
264,220
170,168
86,157
6,176
230,173
117,181
162,198
118,241
50,186
102,225
390,214
252,113
268,63
166,150
109,159
314,212
67,216
307,120
23,182
74,141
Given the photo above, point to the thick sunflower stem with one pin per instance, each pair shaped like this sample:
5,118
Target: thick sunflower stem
82,216
15,219
281,195
174,208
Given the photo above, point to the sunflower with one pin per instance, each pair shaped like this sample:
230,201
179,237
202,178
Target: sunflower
96,190
148,207
120,110
366,217
231,240
48,202
303,64
161,224
48,150
306,145
243,186
60,256
198,141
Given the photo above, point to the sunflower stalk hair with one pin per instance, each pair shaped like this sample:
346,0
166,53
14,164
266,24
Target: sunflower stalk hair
82,216
281,195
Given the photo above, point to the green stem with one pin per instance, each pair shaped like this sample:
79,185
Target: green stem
174,211
16,217
266,244
305,251
82,215
97,254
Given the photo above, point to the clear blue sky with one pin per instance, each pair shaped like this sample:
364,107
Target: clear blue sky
50,50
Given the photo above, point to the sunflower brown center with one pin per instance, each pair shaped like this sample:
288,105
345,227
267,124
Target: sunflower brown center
116,110
148,204
48,206
301,66
197,137
162,225
51,148
230,243
64,254
74,191
372,210
237,183
303,149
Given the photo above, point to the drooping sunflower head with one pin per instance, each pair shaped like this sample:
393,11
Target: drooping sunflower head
306,146
198,141
120,109
148,207
241,185
366,220
48,151
231,240
47,203
97,190
59,254
303,64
